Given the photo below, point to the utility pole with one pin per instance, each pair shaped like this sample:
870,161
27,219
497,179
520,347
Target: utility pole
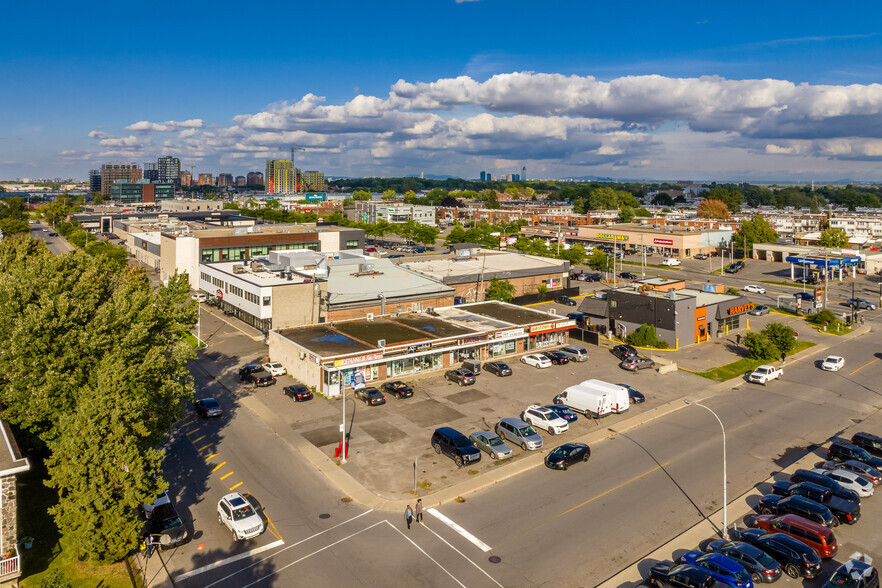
826,279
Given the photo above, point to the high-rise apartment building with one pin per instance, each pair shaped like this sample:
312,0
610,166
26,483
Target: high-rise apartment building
150,172
483,176
111,172
524,173
281,177
515,177
239,181
169,169
94,180
254,178
314,181
224,180
206,180
186,178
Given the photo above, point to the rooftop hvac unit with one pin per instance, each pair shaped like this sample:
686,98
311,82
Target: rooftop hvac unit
381,343
240,269
369,316
366,268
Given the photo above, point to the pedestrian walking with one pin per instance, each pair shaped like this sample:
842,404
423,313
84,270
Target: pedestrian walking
862,319
419,510
148,543
408,516
738,338
783,357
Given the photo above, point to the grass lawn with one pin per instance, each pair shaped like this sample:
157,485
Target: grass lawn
194,342
745,364
34,499
657,266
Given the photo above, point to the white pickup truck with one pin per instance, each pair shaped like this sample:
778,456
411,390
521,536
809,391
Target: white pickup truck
764,373
670,261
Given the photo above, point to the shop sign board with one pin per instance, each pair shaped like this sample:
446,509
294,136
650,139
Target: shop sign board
359,359
663,241
611,236
472,339
509,334
419,347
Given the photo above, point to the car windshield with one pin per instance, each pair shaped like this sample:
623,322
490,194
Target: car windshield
559,452
210,403
495,441
526,431
243,513
501,366
172,523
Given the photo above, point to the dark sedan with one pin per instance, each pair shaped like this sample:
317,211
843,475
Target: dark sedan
556,357
762,566
623,351
592,277
498,368
635,396
628,276
298,392
371,396
208,408
804,296
635,363
565,300
665,573
398,389
796,558
461,377
566,455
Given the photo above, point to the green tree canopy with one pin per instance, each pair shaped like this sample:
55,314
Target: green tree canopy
755,230
782,336
833,238
497,289
760,346
598,260
626,214
575,254
361,195
390,194
606,198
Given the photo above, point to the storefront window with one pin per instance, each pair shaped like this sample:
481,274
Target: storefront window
503,348
411,365
459,355
544,340
369,373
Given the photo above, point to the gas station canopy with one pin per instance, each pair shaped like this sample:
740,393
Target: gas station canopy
821,262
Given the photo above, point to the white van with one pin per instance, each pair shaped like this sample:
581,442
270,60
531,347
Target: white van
670,261
595,397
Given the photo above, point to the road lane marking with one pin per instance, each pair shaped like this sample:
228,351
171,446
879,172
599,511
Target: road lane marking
295,562
613,489
219,466
260,561
446,571
462,554
218,564
203,448
863,366
225,476
210,456
236,486
477,542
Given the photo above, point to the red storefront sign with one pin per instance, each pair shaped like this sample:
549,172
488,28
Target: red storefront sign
663,241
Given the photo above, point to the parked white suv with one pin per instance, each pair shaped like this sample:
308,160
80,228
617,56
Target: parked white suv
546,419
237,514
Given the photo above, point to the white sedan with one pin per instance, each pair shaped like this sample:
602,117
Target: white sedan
545,418
537,361
755,288
275,369
833,363
849,480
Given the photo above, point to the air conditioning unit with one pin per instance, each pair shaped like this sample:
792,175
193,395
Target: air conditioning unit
369,316
381,343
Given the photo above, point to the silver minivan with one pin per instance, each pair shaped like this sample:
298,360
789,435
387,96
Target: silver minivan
519,433
574,353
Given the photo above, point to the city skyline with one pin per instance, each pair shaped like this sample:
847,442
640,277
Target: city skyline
692,91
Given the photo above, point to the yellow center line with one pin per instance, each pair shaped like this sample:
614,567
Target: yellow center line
225,476
210,456
613,489
198,439
236,486
193,431
203,448
219,466
863,366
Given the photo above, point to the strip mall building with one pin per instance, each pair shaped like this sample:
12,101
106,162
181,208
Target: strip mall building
679,242
330,355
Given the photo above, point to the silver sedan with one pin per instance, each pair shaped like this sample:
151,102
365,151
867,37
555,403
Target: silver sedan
491,443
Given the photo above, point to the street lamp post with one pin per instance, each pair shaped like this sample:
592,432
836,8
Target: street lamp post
725,500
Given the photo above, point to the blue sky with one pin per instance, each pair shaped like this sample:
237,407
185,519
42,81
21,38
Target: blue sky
686,90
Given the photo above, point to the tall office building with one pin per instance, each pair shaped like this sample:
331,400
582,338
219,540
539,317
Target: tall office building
524,173
186,178
206,180
111,172
239,182
281,177
314,181
224,180
150,172
515,177
483,176
254,178
168,169
94,180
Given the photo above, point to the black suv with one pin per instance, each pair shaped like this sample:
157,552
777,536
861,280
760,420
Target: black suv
565,300
822,480
847,511
623,351
775,504
628,276
166,527
842,451
872,443
456,446
797,558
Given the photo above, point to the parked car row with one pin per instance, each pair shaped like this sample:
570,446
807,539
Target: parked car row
793,531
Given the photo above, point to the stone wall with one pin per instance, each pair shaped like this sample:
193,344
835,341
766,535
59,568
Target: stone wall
8,517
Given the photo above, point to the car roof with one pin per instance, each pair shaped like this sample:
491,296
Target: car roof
235,499
487,433
449,431
805,524
514,421
209,401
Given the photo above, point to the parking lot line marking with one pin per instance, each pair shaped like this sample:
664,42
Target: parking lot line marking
210,456
226,475
281,550
272,530
464,555
634,479
295,562
187,422
477,542
219,466
193,431
863,366
198,439
218,564
203,448
236,486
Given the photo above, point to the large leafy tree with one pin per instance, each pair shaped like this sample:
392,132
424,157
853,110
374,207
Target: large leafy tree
711,208
94,365
499,290
833,238
13,217
755,230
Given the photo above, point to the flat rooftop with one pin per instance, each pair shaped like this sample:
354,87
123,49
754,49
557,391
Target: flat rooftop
267,230
515,315
487,262
264,278
325,340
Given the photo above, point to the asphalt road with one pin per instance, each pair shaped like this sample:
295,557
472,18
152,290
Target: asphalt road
573,528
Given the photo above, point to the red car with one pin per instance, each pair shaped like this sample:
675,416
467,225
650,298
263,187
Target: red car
816,536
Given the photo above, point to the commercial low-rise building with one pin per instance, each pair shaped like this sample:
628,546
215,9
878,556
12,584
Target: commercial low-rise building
373,211
339,355
671,241
141,191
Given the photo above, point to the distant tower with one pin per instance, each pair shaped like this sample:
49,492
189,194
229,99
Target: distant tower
422,176
524,173
483,176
